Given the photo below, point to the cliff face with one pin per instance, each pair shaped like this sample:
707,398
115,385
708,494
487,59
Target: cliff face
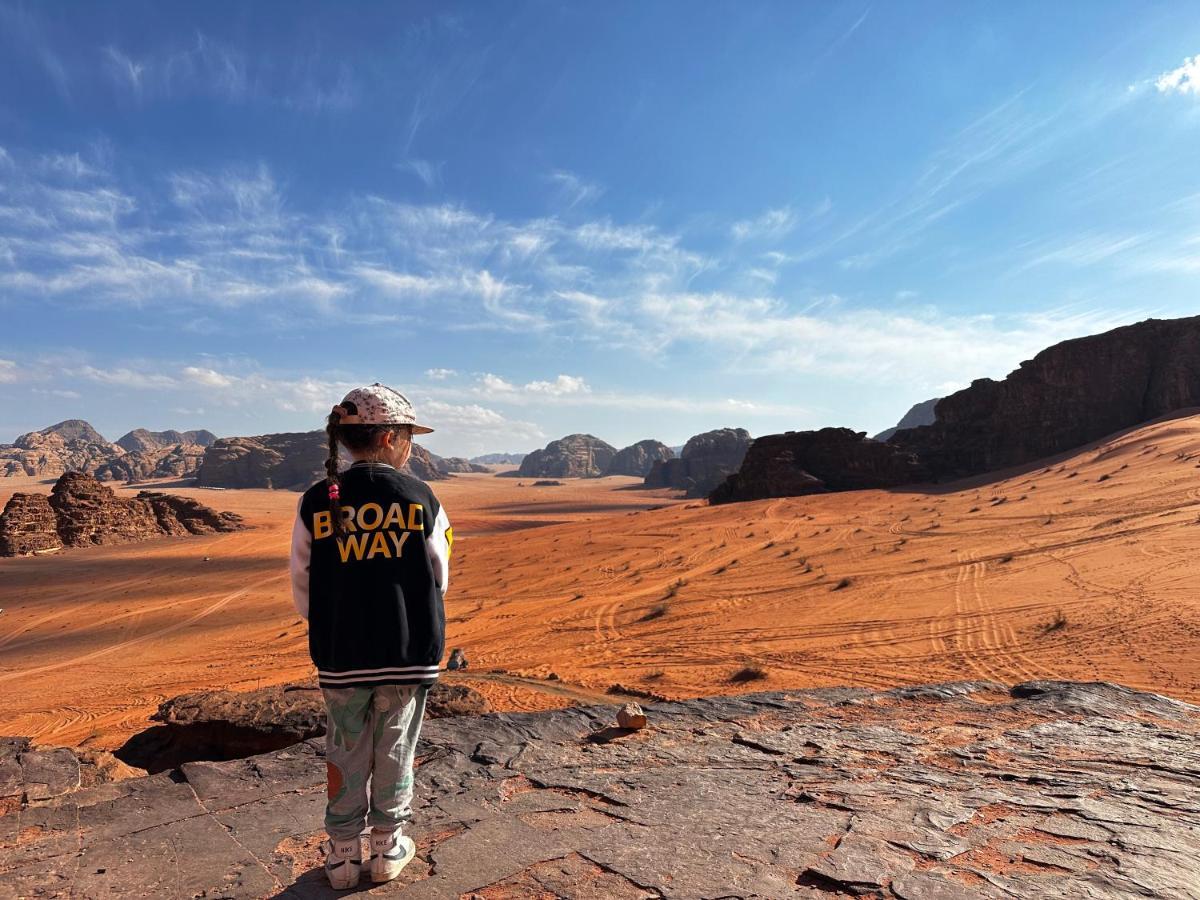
75,446
922,413
706,460
814,462
638,459
1067,395
81,511
574,456
291,460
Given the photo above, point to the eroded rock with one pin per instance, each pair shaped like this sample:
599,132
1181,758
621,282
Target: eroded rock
705,461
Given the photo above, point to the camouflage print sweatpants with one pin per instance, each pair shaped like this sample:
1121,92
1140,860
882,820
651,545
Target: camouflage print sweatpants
372,737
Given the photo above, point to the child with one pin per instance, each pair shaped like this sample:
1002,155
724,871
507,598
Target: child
370,564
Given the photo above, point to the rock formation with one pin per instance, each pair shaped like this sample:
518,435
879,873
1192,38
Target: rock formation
141,439
499,459
638,459
814,462
291,460
1067,395
81,511
968,790
218,725
920,414
75,446
706,460
456,464
574,456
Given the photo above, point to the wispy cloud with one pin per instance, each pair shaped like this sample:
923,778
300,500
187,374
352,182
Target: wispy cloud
1185,79
573,190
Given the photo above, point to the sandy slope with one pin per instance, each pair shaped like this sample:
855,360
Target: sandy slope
873,588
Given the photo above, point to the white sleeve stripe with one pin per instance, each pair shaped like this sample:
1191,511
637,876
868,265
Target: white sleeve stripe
439,550
299,562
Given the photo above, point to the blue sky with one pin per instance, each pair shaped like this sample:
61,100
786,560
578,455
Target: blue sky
633,219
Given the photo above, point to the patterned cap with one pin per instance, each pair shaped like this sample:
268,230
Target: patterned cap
379,404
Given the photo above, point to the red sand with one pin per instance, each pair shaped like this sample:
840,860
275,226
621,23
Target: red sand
1082,569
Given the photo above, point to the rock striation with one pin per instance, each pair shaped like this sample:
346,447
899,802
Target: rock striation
81,512
638,459
1069,394
292,461
573,456
816,462
922,413
946,792
705,461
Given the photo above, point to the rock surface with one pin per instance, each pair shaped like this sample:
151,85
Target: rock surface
81,511
291,460
573,456
141,439
457,465
815,462
953,791
922,413
1067,395
638,459
499,459
705,461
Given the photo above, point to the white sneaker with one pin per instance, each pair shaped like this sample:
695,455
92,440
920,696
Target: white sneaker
390,853
343,863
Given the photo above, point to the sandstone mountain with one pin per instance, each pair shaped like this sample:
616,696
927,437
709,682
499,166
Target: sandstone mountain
706,460
499,459
141,439
81,511
456,464
943,792
815,462
638,459
1069,394
291,460
573,456
75,446
920,414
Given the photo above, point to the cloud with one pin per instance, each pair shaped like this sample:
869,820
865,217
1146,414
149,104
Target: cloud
8,371
1182,80
439,374
774,223
207,377
430,173
573,190
560,386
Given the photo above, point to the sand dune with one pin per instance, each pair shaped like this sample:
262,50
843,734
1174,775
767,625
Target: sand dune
1083,567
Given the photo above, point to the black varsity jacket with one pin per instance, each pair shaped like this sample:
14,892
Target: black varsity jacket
373,597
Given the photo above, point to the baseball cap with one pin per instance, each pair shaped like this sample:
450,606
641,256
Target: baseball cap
378,404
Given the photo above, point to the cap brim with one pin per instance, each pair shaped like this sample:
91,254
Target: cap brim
421,429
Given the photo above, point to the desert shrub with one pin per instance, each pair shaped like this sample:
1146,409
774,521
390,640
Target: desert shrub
842,583
748,673
1058,623
655,612
1104,477
1005,559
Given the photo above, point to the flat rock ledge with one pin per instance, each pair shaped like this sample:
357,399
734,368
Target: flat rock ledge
965,790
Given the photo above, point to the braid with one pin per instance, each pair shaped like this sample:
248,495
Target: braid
331,475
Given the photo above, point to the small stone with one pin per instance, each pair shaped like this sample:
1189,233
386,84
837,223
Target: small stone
631,717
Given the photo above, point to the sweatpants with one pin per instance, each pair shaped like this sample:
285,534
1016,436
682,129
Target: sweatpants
369,748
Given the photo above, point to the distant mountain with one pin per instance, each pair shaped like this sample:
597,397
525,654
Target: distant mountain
454,464
920,414
637,459
68,430
498,459
141,439
573,456
705,461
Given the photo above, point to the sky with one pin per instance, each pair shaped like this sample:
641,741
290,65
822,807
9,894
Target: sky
636,220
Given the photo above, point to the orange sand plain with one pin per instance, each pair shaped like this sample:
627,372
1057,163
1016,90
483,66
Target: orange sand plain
1084,567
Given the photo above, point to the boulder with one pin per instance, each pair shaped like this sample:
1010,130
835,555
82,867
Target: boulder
706,460
815,462
573,456
631,717
81,511
294,461
637,459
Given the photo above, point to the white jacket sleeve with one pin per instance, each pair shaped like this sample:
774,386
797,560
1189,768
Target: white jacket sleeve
440,543
301,554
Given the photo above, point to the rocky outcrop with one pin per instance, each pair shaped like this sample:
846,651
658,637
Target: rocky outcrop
499,459
81,512
638,459
573,456
706,460
143,440
815,462
967,790
1067,395
293,461
457,465
220,725
920,414
75,446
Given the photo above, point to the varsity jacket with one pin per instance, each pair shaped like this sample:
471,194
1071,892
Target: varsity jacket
373,597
